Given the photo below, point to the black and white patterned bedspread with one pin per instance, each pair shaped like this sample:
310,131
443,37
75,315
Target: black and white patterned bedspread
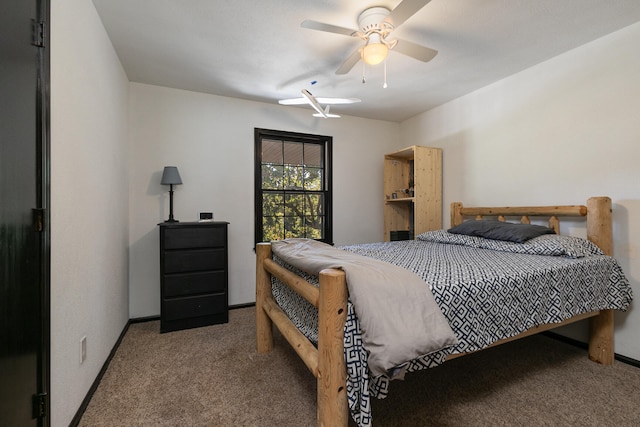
486,295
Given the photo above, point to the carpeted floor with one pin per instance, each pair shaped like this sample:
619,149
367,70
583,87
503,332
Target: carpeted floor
213,376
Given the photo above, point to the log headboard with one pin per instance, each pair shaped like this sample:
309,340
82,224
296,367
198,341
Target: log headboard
597,212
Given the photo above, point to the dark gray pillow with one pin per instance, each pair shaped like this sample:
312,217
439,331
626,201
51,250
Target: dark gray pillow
498,230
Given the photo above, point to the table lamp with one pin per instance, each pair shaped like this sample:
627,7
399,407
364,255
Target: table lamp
171,177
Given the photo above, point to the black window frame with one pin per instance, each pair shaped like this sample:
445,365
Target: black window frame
326,142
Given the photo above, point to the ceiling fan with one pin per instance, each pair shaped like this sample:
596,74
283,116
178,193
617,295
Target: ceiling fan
375,26
307,98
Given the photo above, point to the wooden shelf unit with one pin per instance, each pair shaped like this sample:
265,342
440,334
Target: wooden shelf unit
423,211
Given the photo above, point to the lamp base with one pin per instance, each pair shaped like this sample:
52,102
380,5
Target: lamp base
171,205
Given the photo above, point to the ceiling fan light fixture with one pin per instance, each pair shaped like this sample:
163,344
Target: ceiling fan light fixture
374,53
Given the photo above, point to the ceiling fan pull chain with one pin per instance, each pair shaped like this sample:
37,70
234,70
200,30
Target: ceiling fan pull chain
384,85
364,80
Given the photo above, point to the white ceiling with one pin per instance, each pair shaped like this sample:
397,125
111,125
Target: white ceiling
253,49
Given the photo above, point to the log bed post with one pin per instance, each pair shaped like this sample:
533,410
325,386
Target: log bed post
456,214
333,408
264,325
600,232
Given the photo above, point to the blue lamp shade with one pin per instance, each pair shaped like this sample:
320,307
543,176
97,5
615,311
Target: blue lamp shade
171,176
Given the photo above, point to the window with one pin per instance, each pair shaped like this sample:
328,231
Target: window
292,186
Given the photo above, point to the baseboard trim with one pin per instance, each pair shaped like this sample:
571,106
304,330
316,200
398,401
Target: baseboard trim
157,317
628,360
83,406
249,304
618,357
144,319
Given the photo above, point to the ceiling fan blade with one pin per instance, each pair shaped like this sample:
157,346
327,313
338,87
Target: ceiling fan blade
349,63
319,26
414,50
293,101
328,116
405,10
335,101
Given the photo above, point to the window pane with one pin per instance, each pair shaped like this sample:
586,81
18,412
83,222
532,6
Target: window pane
273,228
314,205
313,155
294,205
314,227
293,227
313,179
273,216
272,177
293,153
293,177
272,152
273,204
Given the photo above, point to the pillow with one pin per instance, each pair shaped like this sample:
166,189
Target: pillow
548,244
499,230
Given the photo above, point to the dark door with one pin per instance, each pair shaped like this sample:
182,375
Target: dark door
24,265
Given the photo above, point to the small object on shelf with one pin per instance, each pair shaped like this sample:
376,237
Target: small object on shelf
400,235
206,216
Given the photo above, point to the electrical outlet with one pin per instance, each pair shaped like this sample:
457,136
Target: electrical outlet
83,349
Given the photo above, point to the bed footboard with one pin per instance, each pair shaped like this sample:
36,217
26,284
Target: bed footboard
326,362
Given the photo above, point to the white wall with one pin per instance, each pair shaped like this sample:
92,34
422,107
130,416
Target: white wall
557,133
211,141
89,204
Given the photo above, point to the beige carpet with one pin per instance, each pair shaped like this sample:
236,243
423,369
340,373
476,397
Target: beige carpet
213,376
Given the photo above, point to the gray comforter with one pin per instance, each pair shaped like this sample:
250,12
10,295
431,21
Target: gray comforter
399,318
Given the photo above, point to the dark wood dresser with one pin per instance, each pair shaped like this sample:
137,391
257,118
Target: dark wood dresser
193,274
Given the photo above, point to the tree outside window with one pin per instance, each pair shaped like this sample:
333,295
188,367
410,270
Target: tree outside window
293,186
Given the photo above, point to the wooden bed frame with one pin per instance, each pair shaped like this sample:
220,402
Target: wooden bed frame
327,363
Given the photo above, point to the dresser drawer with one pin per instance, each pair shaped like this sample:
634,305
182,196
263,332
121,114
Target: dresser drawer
194,237
180,308
195,260
194,283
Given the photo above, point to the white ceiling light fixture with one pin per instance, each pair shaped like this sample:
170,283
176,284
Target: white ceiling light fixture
374,52
374,31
